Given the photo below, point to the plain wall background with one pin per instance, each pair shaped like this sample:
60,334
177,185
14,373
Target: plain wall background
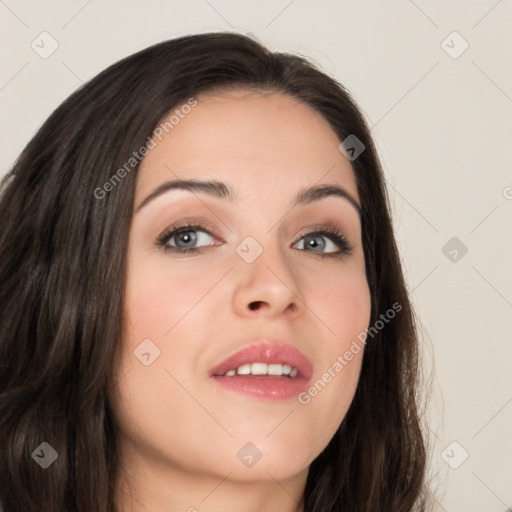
442,122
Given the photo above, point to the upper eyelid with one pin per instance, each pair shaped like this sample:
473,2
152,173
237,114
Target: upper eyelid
199,226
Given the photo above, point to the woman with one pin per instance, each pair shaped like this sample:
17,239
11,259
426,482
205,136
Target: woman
201,300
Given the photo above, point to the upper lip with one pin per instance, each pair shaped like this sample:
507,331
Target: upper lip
265,351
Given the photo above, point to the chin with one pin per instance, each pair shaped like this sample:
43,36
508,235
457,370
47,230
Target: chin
266,461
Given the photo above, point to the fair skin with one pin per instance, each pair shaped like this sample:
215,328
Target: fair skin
180,433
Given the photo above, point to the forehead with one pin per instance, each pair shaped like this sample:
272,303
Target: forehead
265,143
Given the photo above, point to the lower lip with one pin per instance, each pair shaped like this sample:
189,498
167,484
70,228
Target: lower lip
265,387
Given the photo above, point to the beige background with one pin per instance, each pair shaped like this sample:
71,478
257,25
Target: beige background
442,121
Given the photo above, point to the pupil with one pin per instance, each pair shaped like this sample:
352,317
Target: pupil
312,243
187,235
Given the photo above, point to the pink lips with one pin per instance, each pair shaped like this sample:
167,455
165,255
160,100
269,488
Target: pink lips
267,387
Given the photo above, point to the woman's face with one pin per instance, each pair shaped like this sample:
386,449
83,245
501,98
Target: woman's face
253,275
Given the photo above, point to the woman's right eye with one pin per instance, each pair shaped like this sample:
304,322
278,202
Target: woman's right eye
185,239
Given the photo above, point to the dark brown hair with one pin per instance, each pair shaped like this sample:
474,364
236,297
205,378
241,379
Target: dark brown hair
62,275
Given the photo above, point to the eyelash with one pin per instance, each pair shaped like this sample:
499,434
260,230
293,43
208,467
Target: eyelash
338,238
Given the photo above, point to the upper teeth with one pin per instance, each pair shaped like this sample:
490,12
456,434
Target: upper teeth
263,369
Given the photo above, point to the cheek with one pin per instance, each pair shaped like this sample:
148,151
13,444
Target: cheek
344,306
343,302
151,403
159,294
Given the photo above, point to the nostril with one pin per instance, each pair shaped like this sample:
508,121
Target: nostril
254,305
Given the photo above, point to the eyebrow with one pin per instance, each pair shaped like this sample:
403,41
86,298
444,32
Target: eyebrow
220,190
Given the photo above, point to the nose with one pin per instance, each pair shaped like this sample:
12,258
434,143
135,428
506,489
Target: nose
267,286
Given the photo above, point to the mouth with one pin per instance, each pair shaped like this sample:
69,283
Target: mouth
266,371
262,369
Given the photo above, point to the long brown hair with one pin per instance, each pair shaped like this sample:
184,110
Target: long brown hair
62,274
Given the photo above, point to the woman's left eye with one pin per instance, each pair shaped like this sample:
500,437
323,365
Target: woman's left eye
316,240
185,239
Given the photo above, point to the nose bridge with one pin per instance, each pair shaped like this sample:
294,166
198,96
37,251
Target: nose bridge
265,275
